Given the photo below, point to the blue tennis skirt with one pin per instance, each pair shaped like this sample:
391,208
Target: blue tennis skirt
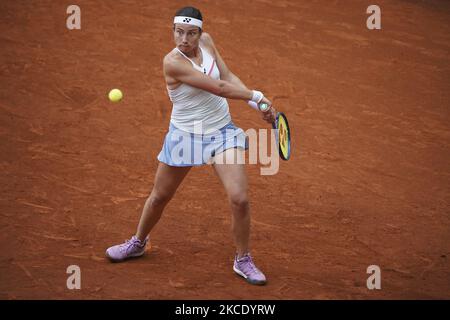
183,149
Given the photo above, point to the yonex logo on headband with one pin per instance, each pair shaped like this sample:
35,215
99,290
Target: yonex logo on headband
188,20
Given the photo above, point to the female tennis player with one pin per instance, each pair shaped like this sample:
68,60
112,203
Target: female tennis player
198,83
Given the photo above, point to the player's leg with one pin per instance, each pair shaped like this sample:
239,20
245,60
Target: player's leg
234,178
167,180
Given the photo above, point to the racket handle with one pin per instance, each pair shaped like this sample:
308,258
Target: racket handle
261,107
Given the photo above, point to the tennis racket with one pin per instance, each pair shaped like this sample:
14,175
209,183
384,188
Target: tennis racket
282,130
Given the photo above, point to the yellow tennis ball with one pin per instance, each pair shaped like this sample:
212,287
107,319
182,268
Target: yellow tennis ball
115,95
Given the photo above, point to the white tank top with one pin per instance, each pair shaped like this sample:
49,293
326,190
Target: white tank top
192,105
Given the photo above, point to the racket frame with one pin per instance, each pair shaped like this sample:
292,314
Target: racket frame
277,135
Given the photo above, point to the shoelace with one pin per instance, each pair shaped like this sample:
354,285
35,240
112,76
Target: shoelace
129,243
248,265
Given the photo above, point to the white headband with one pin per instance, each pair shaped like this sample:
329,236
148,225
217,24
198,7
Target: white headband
188,20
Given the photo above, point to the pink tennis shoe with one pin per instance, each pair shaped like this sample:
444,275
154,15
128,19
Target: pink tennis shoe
245,267
132,248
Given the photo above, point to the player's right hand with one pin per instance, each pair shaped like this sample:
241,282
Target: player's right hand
270,114
265,100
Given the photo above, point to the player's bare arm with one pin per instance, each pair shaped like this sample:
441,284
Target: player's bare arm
225,72
229,76
177,70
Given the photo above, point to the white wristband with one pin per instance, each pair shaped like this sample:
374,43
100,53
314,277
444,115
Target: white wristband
257,96
253,104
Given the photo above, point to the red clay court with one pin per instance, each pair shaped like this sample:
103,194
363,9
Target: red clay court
368,182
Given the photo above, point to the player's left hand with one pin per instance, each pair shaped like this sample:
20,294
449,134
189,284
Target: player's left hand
270,115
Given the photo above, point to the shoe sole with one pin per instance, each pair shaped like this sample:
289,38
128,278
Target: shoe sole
254,282
127,258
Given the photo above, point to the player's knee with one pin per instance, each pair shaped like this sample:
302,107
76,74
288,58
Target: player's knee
239,201
159,199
